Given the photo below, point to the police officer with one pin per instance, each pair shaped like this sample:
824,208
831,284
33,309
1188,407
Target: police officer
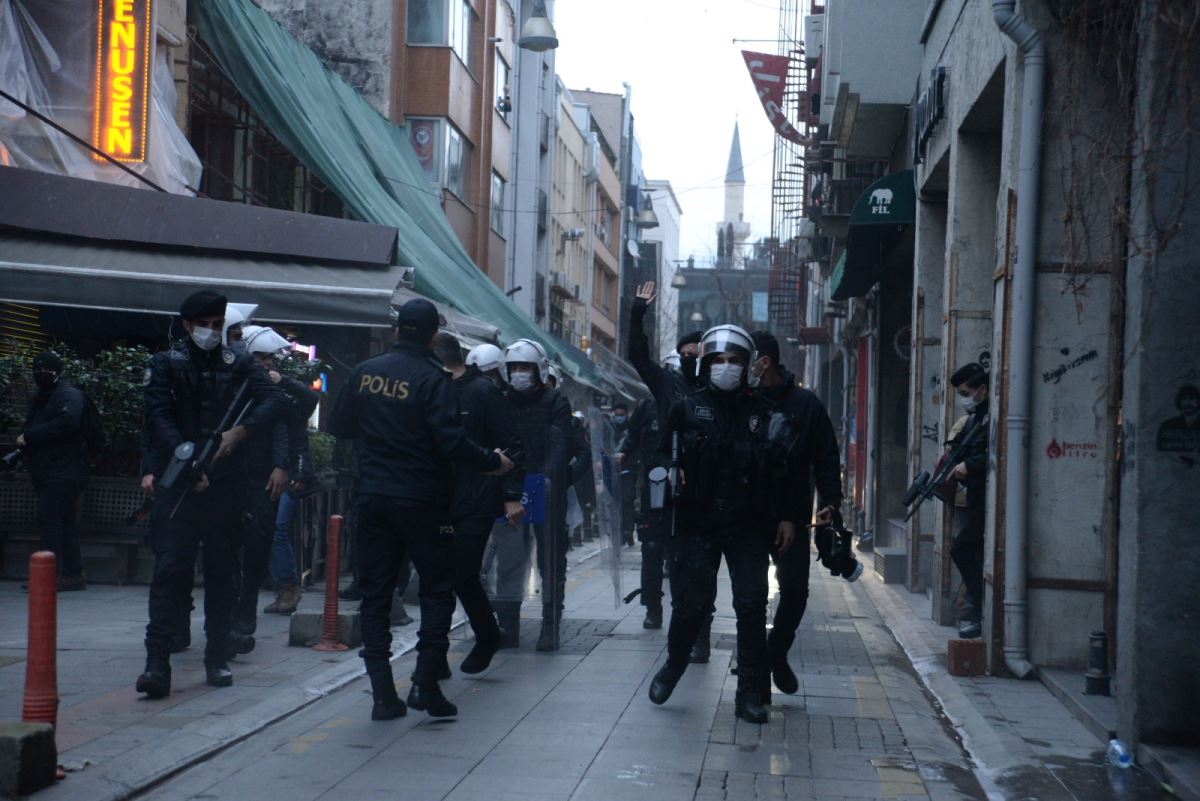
479,500
668,386
970,383
543,419
641,449
812,448
53,445
734,502
189,389
401,408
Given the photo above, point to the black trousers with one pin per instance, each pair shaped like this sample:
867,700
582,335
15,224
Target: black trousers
388,530
56,525
966,551
791,573
658,556
470,539
258,527
698,557
211,517
552,543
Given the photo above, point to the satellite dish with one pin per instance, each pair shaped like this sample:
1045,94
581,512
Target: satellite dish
632,247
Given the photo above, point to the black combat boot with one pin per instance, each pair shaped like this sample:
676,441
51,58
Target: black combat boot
388,705
508,615
781,671
749,707
653,619
701,649
481,655
155,681
665,680
430,700
237,644
216,664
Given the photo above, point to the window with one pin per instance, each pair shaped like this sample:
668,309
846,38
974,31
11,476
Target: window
456,163
497,204
503,88
462,28
427,21
424,134
758,306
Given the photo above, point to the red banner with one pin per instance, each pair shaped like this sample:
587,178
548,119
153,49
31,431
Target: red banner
769,74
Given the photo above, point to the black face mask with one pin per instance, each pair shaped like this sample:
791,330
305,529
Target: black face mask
45,379
687,366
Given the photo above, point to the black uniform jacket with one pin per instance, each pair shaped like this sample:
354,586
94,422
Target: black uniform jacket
274,448
189,390
667,386
487,417
543,419
734,474
976,459
811,442
402,409
54,446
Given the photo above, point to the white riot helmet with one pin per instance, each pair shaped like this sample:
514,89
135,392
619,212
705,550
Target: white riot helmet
527,351
236,314
725,339
487,358
260,339
671,362
556,374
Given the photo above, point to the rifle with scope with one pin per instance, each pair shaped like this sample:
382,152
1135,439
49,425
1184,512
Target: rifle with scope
939,482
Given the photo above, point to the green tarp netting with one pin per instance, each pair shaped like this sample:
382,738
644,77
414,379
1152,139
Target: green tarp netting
366,160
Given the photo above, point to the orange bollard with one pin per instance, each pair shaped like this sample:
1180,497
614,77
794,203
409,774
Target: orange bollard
41,667
329,621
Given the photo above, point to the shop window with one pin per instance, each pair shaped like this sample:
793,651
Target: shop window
457,151
498,187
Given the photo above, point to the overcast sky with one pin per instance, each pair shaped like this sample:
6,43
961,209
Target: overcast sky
689,83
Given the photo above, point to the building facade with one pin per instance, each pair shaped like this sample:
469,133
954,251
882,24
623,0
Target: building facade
660,256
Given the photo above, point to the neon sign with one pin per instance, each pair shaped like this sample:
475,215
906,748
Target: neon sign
123,42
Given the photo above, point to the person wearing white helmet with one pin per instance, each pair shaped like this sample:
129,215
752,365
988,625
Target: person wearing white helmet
489,360
543,419
237,315
672,362
734,503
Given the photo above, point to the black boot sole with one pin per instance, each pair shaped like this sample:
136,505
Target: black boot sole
479,660
442,709
662,687
154,686
388,710
758,718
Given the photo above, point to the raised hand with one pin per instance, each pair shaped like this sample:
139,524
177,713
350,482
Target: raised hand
646,292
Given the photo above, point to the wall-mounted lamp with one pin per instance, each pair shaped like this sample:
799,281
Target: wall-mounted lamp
537,34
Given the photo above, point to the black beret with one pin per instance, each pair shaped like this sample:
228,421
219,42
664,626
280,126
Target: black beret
205,303
689,339
971,373
48,360
417,319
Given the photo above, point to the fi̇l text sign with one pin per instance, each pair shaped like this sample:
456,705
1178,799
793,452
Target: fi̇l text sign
123,41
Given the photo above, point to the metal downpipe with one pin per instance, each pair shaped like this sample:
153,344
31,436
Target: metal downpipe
1016,455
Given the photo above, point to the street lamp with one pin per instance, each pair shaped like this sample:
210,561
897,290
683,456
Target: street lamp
697,317
646,217
537,34
678,281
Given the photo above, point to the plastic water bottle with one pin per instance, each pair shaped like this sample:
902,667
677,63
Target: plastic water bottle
1118,754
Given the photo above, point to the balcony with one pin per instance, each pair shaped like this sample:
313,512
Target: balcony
840,184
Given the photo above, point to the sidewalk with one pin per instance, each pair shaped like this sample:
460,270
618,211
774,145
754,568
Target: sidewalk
1023,739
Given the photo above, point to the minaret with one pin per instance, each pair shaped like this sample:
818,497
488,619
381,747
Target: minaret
735,198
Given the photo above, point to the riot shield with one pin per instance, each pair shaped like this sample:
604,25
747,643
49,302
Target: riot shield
609,512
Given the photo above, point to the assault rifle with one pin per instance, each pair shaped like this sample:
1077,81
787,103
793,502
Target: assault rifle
187,464
940,483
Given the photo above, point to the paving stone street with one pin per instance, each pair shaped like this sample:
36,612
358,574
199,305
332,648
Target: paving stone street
571,725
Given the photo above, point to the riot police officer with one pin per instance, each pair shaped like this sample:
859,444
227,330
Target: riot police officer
188,391
401,408
668,385
543,419
733,502
641,450
479,500
811,446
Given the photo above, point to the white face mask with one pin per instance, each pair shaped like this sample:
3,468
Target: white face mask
206,338
968,403
725,377
522,382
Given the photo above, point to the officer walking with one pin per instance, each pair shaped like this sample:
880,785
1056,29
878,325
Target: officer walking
641,449
189,389
811,448
668,386
402,409
734,502
479,500
54,446
543,419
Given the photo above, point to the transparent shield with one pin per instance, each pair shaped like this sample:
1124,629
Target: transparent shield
610,511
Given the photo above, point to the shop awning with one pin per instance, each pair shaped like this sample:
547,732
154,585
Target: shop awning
366,160
54,270
877,221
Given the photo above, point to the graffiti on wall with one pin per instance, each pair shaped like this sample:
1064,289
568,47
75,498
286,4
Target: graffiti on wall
1055,375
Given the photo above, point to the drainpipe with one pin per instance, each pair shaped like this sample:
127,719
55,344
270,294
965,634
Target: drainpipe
1016,457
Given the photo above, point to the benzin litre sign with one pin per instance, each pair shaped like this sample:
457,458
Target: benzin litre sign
123,40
